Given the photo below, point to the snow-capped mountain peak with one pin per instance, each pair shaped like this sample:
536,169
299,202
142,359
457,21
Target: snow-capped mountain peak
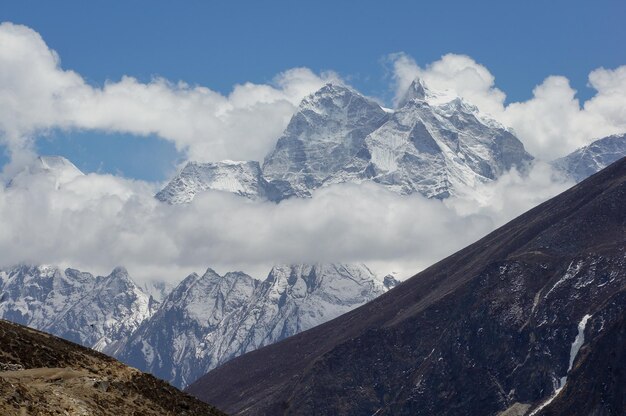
592,158
419,91
239,177
56,169
92,311
434,143
326,131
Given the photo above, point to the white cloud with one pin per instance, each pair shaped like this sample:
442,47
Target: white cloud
37,94
99,221
458,73
551,124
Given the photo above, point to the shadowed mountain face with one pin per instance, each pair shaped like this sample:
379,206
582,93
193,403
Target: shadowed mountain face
44,375
533,309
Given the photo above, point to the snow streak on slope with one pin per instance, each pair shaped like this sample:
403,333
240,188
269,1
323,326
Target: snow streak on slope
578,342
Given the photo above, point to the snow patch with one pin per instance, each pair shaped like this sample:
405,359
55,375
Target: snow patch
578,342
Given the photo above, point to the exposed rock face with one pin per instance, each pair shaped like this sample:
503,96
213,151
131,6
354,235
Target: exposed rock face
590,159
92,311
528,314
210,319
44,375
323,136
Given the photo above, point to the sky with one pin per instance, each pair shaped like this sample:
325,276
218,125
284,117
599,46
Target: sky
221,44
128,91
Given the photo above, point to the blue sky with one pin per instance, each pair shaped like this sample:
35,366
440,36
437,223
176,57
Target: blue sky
219,44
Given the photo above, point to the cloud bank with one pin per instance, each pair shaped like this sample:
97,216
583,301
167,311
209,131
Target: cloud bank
37,94
100,221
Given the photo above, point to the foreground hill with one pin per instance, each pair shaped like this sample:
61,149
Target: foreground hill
528,320
44,375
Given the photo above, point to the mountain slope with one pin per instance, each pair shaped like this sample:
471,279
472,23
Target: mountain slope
91,311
207,320
584,162
495,327
44,375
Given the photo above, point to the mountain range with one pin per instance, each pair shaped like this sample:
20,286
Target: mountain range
434,143
529,320
207,320
203,322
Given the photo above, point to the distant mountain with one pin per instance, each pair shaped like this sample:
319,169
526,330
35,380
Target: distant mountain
528,320
324,134
200,324
44,375
241,178
434,143
91,311
207,320
590,159
56,168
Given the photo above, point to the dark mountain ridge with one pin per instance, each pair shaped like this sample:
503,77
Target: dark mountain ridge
487,330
